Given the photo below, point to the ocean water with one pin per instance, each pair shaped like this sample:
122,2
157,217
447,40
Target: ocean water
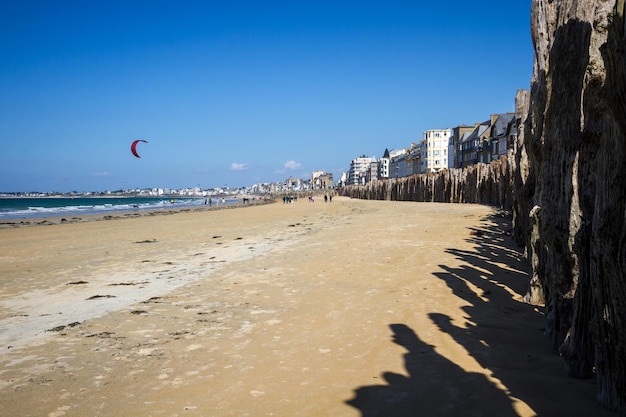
26,207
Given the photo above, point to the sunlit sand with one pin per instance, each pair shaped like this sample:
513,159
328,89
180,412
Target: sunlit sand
349,308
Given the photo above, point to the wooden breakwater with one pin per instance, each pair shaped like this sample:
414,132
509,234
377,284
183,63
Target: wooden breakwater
490,184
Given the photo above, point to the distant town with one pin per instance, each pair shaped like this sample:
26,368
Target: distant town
457,147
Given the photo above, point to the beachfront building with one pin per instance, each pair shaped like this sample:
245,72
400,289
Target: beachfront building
488,141
358,170
511,137
503,135
413,160
458,134
322,180
470,148
343,180
404,162
383,165
397,164
293,184
371,174
460,154
326,180
434,150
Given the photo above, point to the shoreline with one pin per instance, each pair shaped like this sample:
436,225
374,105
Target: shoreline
55,219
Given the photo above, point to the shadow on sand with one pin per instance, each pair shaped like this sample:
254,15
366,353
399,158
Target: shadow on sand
502,334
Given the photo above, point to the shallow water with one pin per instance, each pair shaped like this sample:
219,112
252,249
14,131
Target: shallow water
31,207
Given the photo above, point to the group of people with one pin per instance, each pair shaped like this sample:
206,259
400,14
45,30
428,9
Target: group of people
210,201
291,199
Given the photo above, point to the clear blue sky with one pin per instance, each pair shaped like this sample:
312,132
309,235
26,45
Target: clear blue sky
240,92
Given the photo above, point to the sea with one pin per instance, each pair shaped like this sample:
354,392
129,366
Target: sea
38,207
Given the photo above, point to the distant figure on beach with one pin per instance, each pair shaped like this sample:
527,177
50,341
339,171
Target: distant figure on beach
210,202
330,198
325,198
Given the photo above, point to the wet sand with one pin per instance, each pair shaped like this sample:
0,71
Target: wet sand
349,308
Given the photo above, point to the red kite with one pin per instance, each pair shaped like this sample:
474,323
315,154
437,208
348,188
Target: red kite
133,147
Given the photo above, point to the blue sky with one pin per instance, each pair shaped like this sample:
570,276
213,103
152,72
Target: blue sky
233,93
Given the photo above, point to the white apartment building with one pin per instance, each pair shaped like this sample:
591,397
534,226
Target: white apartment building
358,170
343,180
434,150
383,167
372,172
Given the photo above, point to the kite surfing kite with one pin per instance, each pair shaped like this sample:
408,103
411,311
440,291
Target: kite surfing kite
133,147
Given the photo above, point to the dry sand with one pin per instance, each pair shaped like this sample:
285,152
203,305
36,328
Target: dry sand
349,308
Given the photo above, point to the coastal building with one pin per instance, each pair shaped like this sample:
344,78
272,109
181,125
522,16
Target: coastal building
454,154
413,160
511,136
315,175
398,164
343,180
461,153
470,147
504,135
383,165
371,173
321,180
358,170
488,141
493,146
433,150
293,183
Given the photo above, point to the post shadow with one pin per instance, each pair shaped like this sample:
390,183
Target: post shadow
434,386
495,322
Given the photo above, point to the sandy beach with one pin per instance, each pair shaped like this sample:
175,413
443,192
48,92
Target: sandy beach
349,308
